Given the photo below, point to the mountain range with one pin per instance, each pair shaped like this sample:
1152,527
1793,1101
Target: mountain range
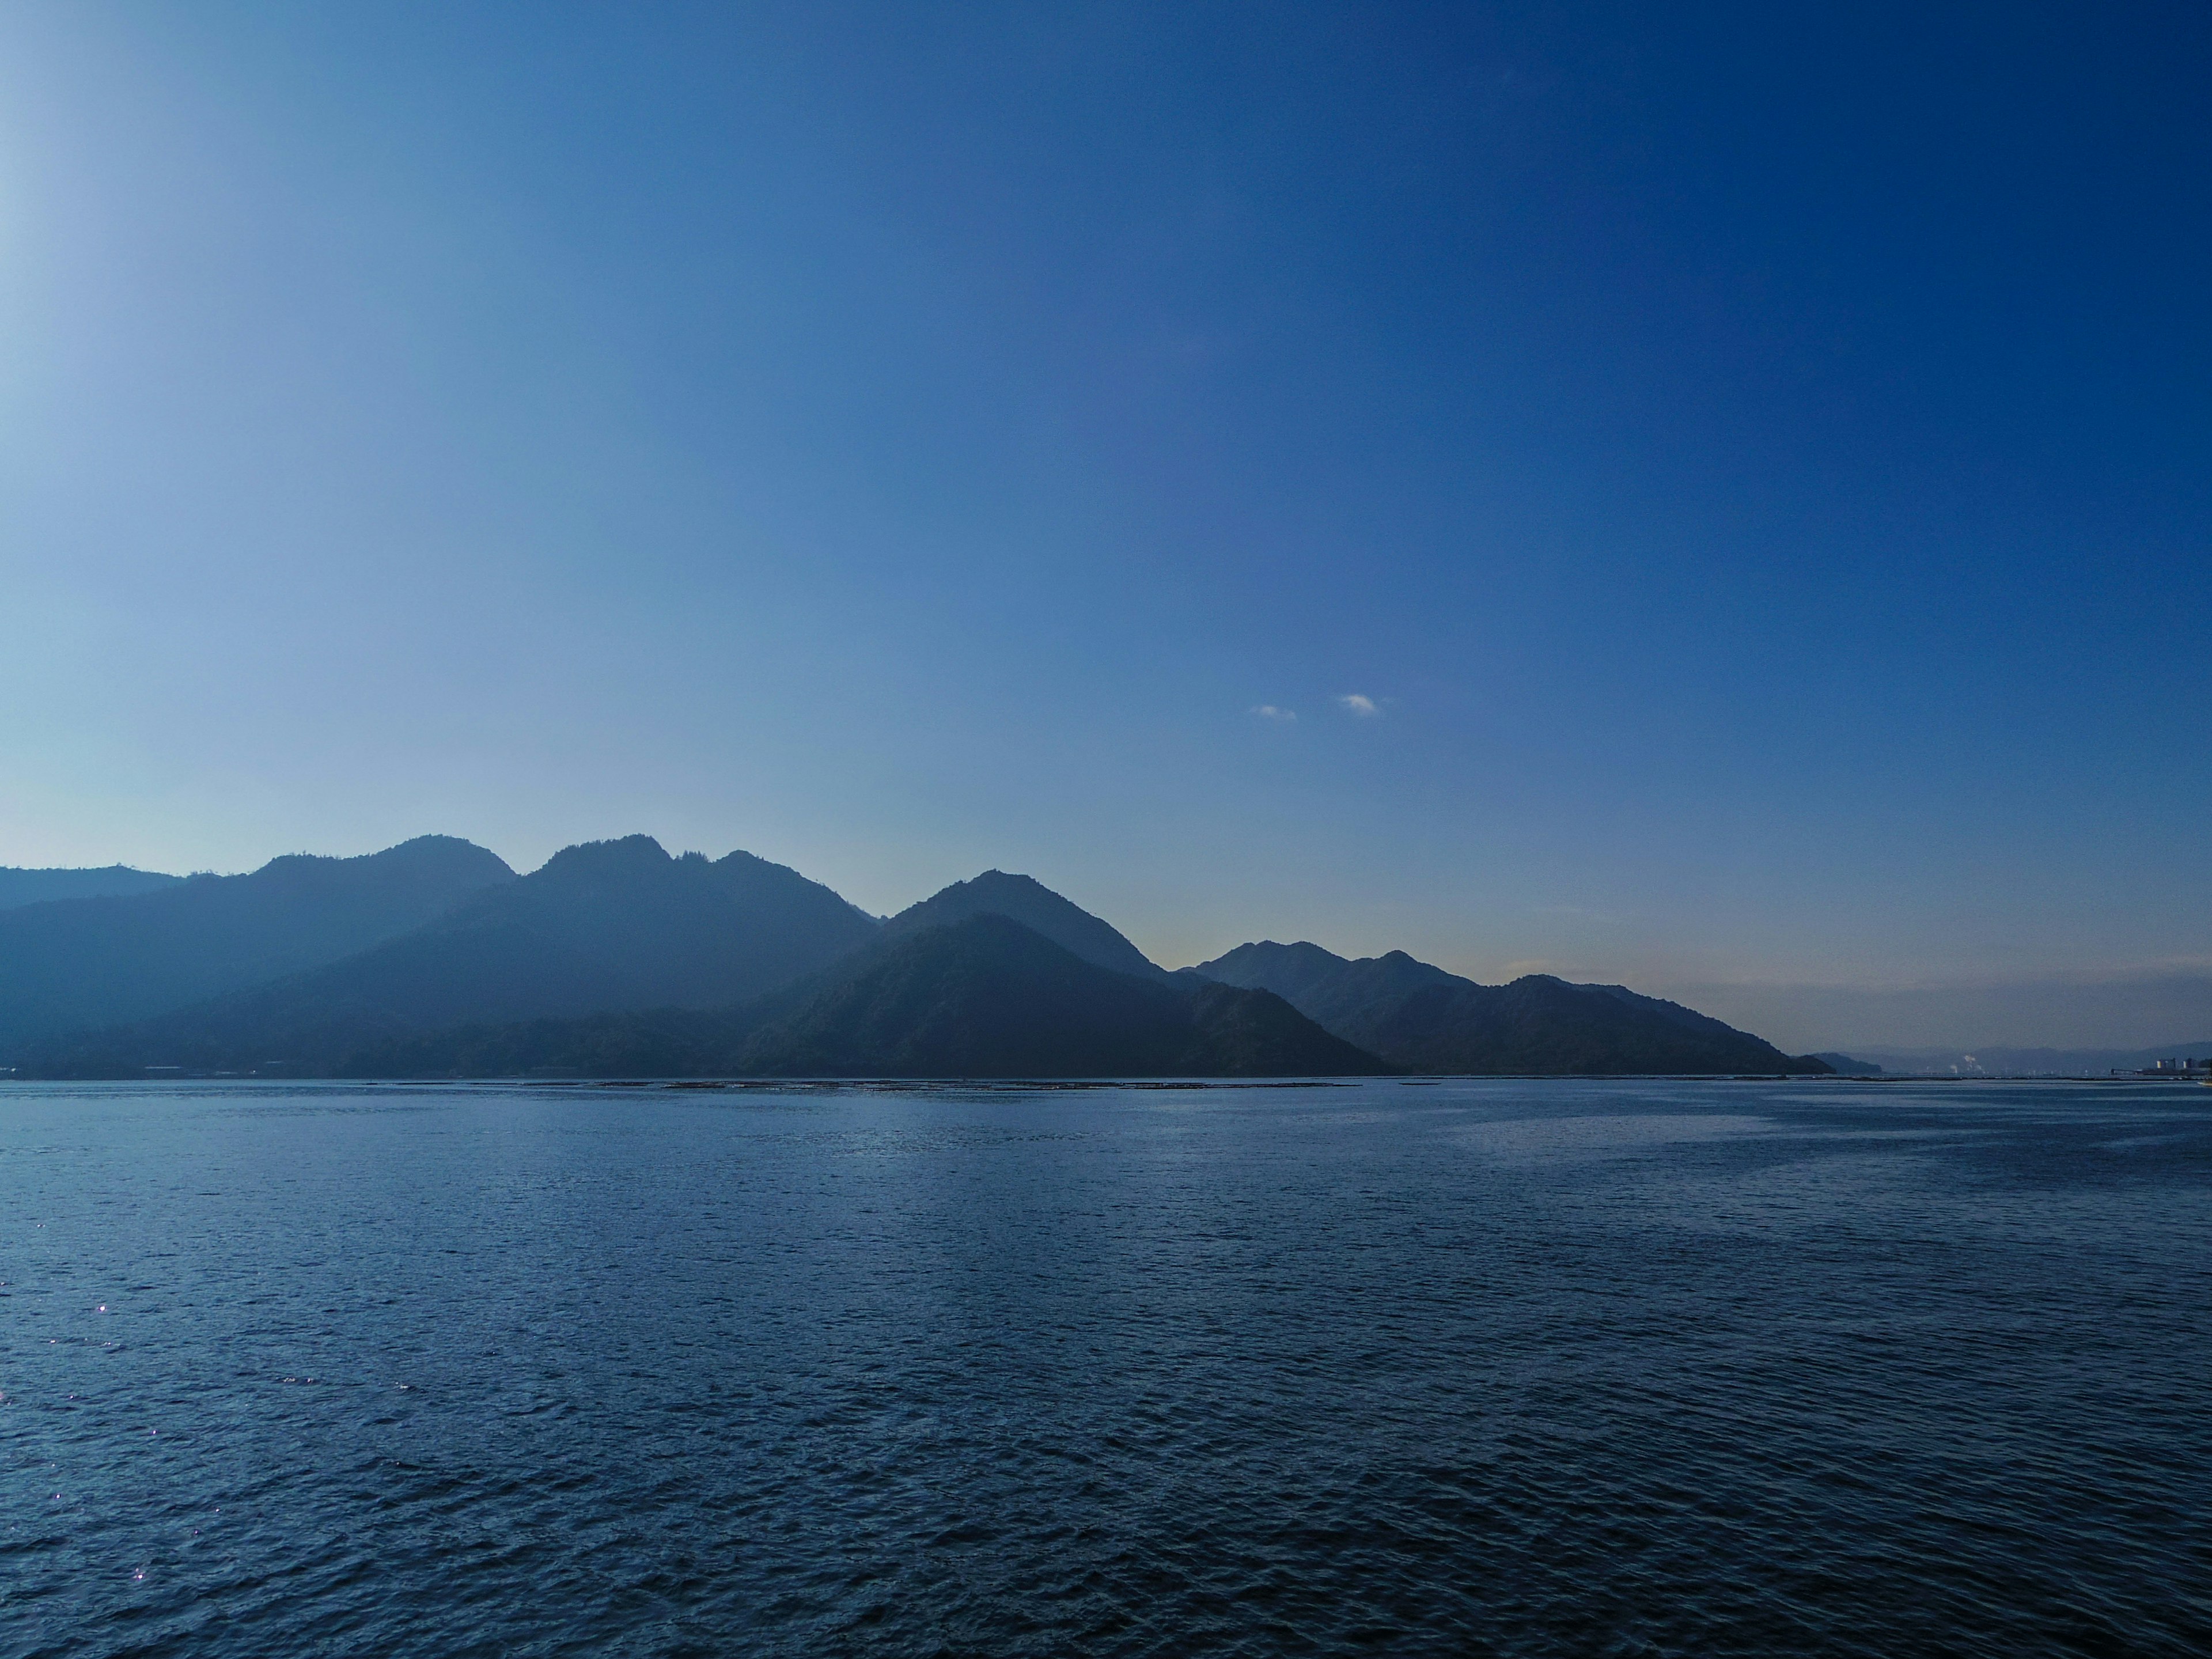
71,964
434,958
981,997
19,887
1423,1020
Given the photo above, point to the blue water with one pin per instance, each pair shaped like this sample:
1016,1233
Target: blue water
1512,1368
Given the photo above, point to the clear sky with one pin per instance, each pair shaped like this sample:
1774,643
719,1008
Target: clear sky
1710,497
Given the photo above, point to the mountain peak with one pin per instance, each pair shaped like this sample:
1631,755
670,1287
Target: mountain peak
1037,907
596,858
988,996
103,960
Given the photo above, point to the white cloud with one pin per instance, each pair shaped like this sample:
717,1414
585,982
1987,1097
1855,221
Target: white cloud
1353,703
1268,711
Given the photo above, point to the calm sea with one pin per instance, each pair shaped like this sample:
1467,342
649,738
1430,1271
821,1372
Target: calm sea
1500,1367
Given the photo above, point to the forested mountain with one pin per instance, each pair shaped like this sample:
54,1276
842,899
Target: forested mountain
434,958
1037,907
989,997
984,996
1341,995
85,962
606,926
22,887
1424,1019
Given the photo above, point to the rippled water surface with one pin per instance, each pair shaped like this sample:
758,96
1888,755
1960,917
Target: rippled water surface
1619,1369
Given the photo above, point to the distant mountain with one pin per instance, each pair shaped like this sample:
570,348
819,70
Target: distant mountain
1037,907
990,997
606,926
22,887
981,997
1848,1066
615,958
1341,995
1424,1019
74,964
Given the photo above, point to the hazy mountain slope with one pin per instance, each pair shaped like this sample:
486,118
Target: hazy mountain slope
1339,995
606,925
1254,1033
22,887
990,997
609,925
1540,1024
984,996
83,963
1425,1020
1037,907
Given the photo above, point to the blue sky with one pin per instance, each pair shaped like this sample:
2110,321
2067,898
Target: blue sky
1752,462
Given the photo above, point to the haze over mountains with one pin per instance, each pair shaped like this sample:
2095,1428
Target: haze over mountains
1424,1019
982,997
20,887
434,958
607,927
1037,907
70,965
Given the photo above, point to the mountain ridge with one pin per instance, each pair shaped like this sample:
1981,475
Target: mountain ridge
1037,907
602,926
617,952
983,996
84,963
19,887
1426,1019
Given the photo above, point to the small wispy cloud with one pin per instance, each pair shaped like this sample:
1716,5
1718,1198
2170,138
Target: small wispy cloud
1355,702
1268,711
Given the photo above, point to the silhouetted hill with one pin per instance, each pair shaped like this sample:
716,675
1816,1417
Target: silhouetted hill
1339,995
74,964
607,927
1423,1018
615,959
22,887
1037,907
985,997
988,996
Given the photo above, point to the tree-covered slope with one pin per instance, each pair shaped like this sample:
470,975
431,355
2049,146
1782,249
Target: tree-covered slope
20,887
1037,907
1425,1020
985,997
80,964
606,926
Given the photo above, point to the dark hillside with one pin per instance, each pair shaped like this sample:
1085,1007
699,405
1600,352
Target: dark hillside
1340,995
607,927
22,887
982,998
1037,907
84,962
1542,1025
988,997
1423,1018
